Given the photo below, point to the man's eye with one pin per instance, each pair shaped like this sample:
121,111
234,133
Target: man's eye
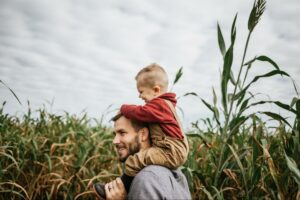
122,133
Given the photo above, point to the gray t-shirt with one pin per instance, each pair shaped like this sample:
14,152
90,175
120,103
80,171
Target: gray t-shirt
157,182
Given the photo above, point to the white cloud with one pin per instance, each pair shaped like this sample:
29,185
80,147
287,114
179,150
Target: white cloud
85,54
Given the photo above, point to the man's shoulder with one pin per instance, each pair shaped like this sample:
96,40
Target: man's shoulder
156,169
162,175
158,182
159,171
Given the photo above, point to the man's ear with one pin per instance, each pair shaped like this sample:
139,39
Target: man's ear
144,134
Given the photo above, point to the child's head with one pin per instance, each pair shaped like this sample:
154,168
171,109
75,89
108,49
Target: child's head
151,81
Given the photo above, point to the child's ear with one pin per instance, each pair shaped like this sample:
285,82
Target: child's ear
157,89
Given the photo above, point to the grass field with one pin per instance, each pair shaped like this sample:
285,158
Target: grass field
57,157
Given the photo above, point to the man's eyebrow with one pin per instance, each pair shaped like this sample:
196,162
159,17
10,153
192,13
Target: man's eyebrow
118,131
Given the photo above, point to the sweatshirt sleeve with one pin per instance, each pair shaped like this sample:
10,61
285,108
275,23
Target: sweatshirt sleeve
155,111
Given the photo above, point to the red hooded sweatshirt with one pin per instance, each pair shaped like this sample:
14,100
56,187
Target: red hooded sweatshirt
156,111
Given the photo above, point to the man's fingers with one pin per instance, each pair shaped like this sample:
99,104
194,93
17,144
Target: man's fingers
119,183
110,191
115,190
115,186
106,187
107,192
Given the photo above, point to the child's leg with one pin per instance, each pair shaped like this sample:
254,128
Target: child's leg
170,153
150,156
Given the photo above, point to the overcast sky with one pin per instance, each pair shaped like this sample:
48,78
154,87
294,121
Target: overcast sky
83,55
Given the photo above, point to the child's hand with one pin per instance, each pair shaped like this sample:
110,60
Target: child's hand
115,190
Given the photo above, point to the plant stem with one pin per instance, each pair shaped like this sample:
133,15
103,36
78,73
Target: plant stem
238,79
227,120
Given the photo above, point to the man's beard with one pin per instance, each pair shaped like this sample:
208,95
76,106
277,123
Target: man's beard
133,147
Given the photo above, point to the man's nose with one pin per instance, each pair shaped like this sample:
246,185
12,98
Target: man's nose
116,140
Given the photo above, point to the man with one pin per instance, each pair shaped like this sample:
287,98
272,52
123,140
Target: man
152,182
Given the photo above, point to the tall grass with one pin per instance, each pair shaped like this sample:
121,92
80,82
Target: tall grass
53,156
238,157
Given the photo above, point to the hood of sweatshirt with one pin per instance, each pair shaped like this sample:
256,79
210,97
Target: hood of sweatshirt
170,96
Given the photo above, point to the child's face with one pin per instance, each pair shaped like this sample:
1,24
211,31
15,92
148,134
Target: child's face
146,93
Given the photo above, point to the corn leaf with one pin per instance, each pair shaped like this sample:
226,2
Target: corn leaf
49,162
11,92
221,42
190,93
240,166
228,58
226,75
276,117
233,30
293,168
178,76
278,103
267,59
269,74
236,123
215,111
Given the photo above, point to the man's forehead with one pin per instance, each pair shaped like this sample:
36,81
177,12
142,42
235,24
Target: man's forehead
122,119
122,123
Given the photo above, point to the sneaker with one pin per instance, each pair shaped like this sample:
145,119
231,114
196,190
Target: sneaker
99,190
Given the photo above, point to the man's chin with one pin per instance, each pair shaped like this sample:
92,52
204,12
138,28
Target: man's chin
122,158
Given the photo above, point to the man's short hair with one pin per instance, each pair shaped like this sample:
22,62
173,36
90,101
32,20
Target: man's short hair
153,75
137,125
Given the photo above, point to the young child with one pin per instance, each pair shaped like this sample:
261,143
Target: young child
169,144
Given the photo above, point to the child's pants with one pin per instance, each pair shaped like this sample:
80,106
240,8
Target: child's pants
166,151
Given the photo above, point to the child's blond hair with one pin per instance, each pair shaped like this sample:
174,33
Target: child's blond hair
153,75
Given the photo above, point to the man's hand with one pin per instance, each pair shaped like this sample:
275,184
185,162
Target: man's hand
115,190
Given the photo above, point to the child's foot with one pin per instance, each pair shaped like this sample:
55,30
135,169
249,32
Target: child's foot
99,190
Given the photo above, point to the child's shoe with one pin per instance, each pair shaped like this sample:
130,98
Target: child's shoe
99,190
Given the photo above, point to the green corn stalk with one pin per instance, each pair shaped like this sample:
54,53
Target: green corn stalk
235,104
